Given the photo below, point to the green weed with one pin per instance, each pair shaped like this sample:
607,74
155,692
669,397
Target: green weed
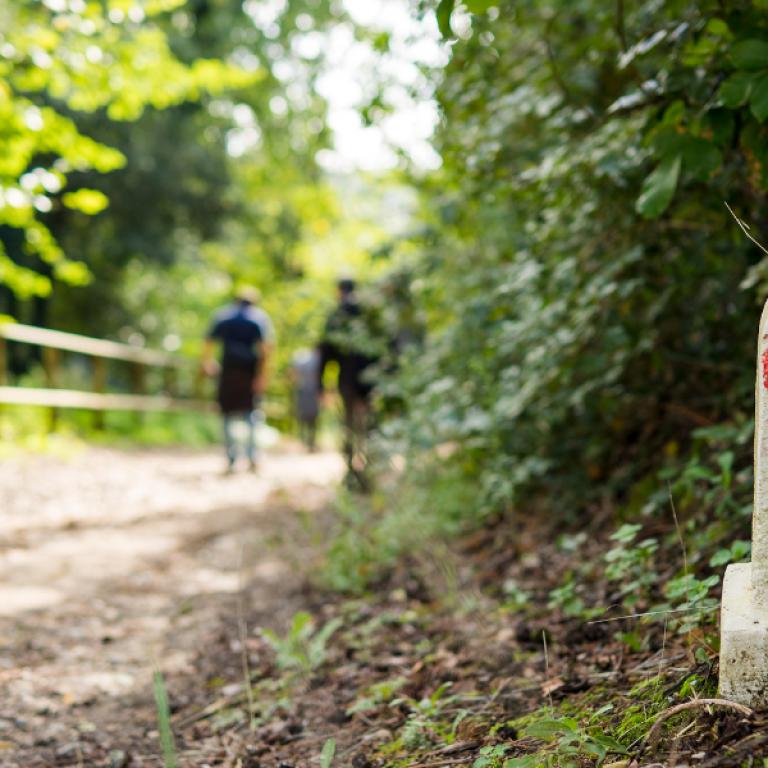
377,694
571,740
327,753
164,720
304,647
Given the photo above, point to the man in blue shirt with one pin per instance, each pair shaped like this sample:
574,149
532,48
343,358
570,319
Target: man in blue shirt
244,332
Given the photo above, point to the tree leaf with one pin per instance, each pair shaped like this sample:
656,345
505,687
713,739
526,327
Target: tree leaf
750,54
89,201
735,91
443,13
758,101
659,187
479,6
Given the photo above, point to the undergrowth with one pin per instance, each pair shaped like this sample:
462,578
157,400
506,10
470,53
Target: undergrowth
642,574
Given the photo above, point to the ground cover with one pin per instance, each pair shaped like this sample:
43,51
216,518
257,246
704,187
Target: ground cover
504,646
439,666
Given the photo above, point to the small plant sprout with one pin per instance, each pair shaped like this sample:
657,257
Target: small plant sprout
164,720
304,647
327,754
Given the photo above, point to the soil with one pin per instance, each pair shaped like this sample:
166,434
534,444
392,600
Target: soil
114,563
117,564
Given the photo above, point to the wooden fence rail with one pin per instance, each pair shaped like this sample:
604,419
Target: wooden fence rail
100,351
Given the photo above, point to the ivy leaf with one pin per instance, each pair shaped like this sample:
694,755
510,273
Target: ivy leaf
659,187
443,13
758,102
750,54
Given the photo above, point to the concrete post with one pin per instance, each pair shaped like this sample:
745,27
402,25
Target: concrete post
744,615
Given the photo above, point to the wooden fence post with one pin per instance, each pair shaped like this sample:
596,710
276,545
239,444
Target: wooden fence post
51,360
138,386
170,380
3,362
99,383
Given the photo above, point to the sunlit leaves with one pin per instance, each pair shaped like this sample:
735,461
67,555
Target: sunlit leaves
89,201
443,13
87,57
479,6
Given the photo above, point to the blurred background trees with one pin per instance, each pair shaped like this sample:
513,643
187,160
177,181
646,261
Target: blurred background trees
584,301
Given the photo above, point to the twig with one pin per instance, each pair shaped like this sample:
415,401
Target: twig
652,613
546,666
653,734
649,662
677,528
212,709
663,649
439,763
745,229
504,683
451,749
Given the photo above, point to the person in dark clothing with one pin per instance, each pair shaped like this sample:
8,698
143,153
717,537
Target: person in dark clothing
338,345
245,335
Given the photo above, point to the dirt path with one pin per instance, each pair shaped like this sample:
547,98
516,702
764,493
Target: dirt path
114,561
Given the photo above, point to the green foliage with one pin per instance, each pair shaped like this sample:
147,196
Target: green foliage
515,598
573,741
737,552
327,753
566,598
58,61
631,563
164,721
377,694
690,599
304,648
425,718
491,756
580,277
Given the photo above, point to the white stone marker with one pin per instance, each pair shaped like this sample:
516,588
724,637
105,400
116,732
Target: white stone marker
744,616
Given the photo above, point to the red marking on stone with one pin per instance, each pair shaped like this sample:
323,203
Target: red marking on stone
765,369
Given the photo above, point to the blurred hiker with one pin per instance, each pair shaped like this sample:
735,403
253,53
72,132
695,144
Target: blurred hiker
306,395
244,333
341,343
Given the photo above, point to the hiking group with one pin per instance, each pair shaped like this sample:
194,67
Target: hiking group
244,333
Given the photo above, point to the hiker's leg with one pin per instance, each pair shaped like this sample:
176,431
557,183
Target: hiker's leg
252,419
349,430
230,445
360,426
